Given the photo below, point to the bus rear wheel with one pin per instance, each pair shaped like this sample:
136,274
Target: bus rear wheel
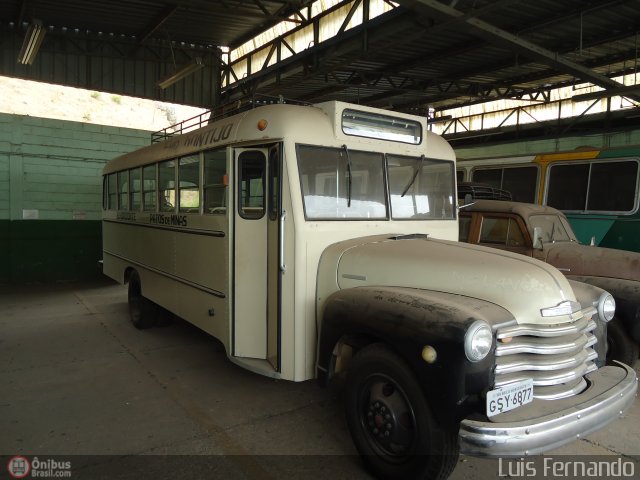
142,311
390,422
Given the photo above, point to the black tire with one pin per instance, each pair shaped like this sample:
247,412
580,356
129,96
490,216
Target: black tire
142,311
620,346
390,422
165,317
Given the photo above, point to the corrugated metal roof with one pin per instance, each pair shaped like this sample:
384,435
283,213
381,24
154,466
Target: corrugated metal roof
424,54
204,22
424,57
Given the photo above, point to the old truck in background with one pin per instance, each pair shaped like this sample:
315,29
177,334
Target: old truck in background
544,233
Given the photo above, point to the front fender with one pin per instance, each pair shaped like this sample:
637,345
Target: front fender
627,295
589,294
406,320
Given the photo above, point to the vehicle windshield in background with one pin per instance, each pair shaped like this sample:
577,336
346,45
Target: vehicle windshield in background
552,228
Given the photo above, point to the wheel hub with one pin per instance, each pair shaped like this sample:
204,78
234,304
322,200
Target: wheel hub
381,422
387,417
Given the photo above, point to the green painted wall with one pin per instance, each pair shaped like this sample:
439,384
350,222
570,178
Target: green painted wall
50,250
50,190
50,195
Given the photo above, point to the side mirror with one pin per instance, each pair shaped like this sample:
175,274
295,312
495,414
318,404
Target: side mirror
467,202
537,238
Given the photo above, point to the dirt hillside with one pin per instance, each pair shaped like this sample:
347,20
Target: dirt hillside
23,97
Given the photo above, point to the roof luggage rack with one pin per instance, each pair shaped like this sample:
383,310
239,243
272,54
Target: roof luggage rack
478,191
222,111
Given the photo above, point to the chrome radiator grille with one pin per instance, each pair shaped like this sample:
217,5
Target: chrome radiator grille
556,357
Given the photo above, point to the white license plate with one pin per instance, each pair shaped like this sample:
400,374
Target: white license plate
508,397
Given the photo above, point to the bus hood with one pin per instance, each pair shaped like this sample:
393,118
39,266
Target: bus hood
571,258
520,284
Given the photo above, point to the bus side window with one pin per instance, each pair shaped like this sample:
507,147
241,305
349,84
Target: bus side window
123,190
604,186
488,176
215,187
568,186
167,186
113,192
134,178
251,178
519,181
189,183
613,186
149,194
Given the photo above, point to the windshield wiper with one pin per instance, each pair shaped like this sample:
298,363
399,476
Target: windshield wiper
349,181
415,175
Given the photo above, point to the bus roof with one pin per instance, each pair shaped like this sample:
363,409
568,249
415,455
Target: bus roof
319,123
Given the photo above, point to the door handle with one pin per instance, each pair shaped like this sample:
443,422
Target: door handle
283,217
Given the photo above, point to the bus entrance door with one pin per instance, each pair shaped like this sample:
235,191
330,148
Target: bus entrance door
255,242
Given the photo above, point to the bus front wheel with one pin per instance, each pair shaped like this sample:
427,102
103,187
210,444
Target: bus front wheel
390,421
620,346
142,311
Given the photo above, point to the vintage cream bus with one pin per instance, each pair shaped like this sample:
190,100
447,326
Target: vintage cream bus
313,240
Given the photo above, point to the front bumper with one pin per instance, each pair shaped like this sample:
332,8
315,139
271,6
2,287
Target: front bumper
546,424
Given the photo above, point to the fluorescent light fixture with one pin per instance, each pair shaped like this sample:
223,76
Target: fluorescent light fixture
31,44
182,73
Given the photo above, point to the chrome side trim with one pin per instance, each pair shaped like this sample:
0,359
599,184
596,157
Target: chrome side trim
193,231
543,379
555,357
530,429
197,286
546,346
585,324
545,363
353,276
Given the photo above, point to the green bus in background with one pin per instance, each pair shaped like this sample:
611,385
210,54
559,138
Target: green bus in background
598,189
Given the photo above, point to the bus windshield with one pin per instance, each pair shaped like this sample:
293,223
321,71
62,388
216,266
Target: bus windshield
340,183
420,188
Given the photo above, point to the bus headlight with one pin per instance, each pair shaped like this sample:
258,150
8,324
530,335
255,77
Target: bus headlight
478,341
606,306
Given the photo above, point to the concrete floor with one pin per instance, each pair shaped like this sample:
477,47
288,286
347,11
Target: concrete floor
78,380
